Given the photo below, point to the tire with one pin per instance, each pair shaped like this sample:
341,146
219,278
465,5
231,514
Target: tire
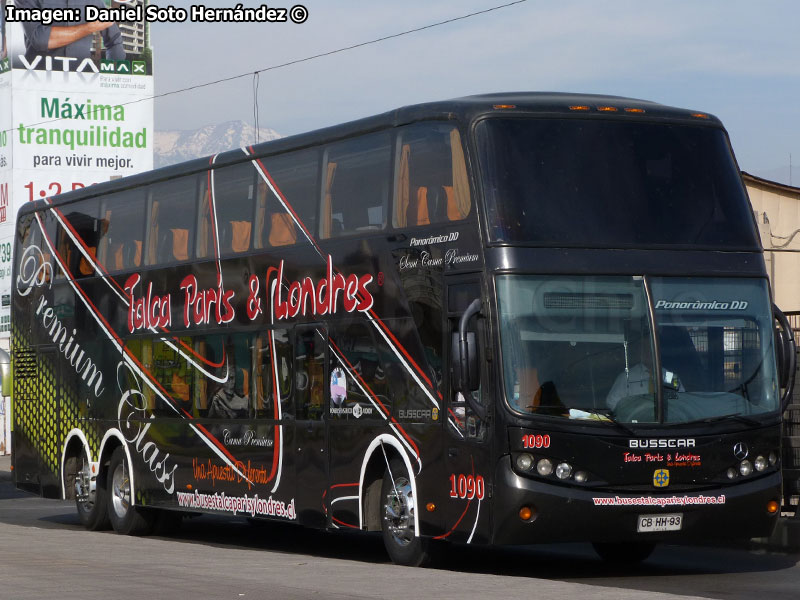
400,537
92,506
622,553
125,518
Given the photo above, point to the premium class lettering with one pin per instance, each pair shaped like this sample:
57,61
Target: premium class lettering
310,298
83,364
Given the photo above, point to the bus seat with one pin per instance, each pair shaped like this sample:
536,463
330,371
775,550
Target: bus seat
117,253
282,231
180,244
417,211
85,268
437,204
453,210
240,241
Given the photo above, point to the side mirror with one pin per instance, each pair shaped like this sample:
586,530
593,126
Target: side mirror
465,367
5,373
785,355
466,374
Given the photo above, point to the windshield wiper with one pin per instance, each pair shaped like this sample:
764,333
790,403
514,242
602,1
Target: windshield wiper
733,417
606,416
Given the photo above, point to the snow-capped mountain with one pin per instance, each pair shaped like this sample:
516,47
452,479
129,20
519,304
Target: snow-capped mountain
175,146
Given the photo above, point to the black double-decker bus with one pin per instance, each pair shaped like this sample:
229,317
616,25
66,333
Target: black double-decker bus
502,319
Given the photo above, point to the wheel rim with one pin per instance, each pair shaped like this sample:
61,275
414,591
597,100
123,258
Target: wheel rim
83,489
399,512
121,491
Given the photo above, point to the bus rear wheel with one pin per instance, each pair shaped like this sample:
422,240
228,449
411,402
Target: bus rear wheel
400,537
91,498
621,553
125,518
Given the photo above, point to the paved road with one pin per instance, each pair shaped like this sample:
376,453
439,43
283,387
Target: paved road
44,554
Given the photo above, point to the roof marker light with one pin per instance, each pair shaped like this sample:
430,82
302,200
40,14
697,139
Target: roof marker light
607,108
634,110
579,107
503,106
700,115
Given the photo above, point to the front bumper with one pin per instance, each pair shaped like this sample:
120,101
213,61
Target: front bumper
570,513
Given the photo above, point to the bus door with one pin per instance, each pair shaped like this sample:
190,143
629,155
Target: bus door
311,444
467,458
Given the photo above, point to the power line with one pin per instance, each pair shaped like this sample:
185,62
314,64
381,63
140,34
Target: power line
306,59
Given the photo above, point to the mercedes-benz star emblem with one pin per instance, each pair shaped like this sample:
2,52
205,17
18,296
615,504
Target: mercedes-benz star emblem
740,450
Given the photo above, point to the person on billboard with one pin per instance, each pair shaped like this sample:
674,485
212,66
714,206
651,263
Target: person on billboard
70,39
3,52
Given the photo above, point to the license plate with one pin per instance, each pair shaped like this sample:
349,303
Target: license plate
668,522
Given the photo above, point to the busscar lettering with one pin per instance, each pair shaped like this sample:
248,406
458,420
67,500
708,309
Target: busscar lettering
661,443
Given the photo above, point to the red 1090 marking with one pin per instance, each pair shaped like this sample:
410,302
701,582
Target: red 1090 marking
467,487
535,441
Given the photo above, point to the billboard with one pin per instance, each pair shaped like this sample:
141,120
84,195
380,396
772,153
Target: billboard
81,113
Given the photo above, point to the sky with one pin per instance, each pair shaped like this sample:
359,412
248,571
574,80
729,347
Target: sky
736,59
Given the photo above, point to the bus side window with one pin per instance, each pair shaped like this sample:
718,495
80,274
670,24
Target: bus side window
277,359
229,398
309,361
122,234
272,374
357,373
289,202
74,246
173,372
235,190
431,182
171,221
356,185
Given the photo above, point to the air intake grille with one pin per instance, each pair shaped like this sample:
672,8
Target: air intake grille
574,301
25,363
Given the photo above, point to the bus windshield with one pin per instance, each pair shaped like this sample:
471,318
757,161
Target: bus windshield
583,348
611,183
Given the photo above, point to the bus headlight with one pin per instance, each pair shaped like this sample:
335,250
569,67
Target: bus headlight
564,470
524,462
773,458
544,467
745,468
581,476
732,473
761,463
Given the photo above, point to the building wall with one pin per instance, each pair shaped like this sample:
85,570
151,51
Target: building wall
777,211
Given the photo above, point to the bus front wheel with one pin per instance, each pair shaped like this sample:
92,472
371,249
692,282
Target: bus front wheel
400,537
621,553
125,518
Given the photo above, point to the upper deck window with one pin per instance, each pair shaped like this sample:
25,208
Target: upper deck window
171,221
431,185
612,183
122,231
356,185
